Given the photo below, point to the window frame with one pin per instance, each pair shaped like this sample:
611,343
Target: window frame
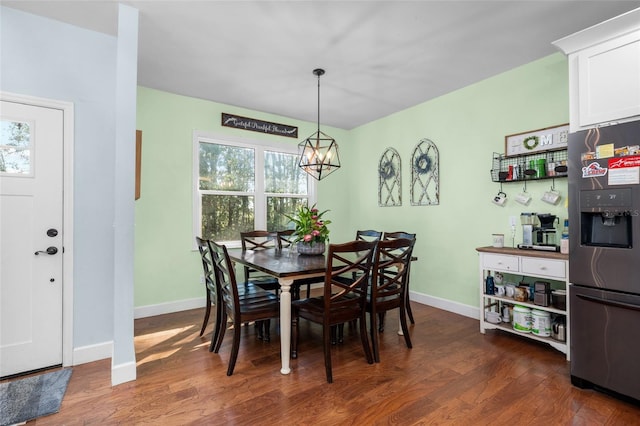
260,197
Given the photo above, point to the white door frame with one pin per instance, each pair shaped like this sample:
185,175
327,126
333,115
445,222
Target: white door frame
67,211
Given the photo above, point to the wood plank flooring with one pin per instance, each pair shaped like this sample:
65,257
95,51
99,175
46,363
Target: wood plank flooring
453,375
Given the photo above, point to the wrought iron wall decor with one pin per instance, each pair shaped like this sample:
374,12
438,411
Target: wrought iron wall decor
390,179
425,186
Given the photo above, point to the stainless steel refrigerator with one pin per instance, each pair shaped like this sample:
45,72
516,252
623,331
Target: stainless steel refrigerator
604,258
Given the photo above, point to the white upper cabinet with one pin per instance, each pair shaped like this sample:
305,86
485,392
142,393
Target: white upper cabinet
604,72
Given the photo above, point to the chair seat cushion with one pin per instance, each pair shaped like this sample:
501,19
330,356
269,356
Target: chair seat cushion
257,301
313,309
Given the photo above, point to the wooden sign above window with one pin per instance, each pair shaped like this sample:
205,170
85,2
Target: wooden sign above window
238,122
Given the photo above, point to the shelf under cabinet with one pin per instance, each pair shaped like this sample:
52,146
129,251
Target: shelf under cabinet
531,305
556,344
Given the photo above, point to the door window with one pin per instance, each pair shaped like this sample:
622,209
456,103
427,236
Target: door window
15,147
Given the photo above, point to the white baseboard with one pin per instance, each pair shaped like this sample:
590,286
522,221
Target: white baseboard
444,304
169,307
119,373
425,299
91,353
123,373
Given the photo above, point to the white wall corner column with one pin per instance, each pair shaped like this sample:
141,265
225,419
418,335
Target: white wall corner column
123,362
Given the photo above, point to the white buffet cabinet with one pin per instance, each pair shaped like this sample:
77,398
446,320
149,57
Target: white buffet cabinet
528,263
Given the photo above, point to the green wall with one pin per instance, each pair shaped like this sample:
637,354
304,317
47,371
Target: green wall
467,125
167,265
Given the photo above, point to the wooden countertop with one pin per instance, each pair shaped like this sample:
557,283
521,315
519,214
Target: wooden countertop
523,252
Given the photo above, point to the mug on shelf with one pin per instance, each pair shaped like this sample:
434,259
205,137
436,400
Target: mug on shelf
498,240
493,317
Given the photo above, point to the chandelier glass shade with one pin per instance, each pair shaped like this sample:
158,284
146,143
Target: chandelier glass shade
319,152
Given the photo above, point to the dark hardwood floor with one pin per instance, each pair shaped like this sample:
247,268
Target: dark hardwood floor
453,375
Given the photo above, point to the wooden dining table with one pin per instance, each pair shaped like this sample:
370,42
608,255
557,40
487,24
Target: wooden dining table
286,265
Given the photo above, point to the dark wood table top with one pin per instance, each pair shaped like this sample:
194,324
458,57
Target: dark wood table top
280,263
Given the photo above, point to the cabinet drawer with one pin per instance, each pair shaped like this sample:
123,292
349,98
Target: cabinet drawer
543,267
500,262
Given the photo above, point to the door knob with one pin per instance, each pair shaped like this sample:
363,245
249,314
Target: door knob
50,250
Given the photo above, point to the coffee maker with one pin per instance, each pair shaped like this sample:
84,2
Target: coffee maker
529,222
545,234
538,231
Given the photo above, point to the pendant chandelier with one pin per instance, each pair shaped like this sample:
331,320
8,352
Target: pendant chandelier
319,152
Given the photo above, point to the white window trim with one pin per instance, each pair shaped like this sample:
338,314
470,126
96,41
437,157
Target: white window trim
260,214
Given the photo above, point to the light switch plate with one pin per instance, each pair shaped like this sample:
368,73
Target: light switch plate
512,221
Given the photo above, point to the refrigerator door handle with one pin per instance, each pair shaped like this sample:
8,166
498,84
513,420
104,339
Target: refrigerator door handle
609,302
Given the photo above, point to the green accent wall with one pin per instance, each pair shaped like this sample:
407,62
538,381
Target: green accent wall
467,126
167,264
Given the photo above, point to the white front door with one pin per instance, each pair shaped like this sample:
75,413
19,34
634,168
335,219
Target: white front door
31,252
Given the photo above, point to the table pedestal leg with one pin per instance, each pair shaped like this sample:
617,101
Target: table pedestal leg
285,324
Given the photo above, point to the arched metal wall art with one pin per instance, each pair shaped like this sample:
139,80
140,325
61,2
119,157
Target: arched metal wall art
390,179
425,186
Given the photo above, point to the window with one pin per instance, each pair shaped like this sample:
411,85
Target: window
15,147
243,185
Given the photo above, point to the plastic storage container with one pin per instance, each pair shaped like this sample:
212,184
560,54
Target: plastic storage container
522,319
540,323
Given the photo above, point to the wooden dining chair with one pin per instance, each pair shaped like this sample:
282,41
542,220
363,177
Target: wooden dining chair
342,300
337,335
285,241
258,305
410,236
260,240
209,286
368,235
389,286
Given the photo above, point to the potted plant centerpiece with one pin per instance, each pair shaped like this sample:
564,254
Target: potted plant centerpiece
311,230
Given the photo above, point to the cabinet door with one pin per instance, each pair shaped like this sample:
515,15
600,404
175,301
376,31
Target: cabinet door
544,267
499,262
609,80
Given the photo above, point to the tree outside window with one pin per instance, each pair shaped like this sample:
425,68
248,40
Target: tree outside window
247,186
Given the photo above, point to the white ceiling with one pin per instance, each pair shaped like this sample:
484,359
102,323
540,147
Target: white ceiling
380,57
